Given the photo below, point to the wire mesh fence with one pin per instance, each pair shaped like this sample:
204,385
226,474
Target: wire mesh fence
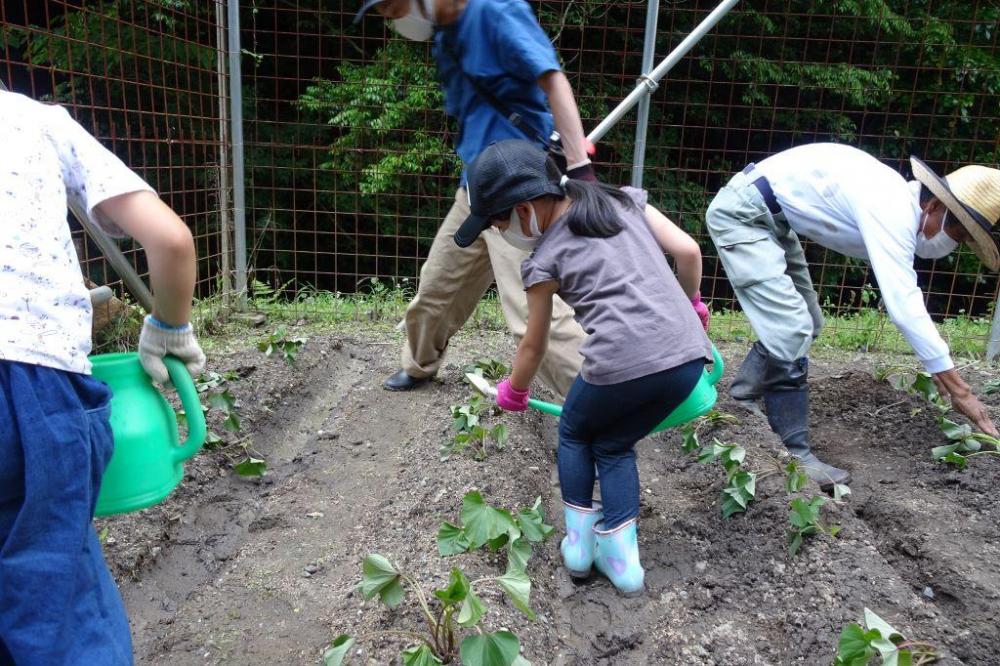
142,77
350,167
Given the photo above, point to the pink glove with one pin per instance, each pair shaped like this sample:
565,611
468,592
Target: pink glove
701,309
510,398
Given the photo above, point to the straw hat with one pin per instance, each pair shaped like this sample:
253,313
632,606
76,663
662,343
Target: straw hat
972,194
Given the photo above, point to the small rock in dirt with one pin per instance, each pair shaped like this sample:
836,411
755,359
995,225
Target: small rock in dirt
314,514
327,434
357,443
312,568
928,592
700,566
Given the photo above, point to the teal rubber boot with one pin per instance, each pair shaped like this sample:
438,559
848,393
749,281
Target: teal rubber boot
617,556
578,545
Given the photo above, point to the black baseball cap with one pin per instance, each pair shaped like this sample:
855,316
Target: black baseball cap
365,6
502,176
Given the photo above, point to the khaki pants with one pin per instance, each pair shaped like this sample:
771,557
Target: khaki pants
767,268
453,280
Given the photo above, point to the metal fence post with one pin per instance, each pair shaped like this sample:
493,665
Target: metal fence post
236,135
224,214
649,79
642,124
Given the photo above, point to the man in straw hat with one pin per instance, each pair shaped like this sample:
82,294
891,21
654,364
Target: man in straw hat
849,202
501,79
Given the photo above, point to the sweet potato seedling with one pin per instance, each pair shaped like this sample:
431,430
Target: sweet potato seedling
963,443
279,341
741,485
471,431
878,639
457,606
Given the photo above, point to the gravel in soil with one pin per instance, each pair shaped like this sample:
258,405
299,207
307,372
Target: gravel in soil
265,571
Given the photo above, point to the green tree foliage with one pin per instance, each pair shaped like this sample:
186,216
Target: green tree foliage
346,138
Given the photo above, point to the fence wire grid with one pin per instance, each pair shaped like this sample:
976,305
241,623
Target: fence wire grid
349,166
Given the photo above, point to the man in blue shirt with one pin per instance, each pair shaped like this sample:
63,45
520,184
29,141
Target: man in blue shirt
501,80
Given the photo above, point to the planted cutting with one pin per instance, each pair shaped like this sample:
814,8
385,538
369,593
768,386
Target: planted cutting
280,342
481,525
458,607
490,368
741,486
963,442
472,431
877,639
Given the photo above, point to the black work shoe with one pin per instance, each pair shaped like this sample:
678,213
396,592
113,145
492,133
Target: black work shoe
403,382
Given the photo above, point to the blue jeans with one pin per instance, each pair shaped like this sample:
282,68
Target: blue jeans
601,425
58,602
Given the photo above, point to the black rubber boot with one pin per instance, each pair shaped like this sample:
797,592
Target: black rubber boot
787,401
403,382
748,385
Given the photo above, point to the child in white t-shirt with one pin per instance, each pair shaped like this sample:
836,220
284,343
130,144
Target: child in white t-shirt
58,603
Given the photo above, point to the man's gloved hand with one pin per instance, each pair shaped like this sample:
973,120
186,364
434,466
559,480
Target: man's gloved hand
701,309
510,398
158,339
582,171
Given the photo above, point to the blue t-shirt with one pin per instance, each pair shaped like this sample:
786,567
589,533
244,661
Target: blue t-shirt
501,46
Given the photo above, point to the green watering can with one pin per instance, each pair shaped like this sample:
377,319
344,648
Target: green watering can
146,464
698,403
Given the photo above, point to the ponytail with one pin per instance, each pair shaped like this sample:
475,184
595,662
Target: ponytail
593,212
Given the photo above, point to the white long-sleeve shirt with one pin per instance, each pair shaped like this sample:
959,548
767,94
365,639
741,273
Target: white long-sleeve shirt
846,200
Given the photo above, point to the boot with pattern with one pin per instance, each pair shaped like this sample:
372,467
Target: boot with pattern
617,556
577,546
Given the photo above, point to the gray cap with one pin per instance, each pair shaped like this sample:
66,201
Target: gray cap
502,176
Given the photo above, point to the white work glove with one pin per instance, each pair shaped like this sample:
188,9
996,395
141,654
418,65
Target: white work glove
158,339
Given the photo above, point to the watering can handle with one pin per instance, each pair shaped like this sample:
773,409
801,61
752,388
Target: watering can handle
718,367
185,387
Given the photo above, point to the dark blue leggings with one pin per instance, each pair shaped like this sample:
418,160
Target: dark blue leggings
600,426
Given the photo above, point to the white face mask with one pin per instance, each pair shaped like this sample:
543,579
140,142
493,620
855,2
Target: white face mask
415,25
939,245
513,234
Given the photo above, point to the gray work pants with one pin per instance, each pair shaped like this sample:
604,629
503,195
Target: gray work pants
767,268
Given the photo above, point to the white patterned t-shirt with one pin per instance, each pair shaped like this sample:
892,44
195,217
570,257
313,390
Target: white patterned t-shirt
46,160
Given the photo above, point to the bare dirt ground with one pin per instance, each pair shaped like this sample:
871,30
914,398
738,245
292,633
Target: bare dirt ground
237,571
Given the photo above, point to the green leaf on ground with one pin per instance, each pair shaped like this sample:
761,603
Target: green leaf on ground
483,523
471,611
381,578
451,540
518,554
805,513
531,522
840,491
499,648
518,586
251,467
420,655
335,654
956,459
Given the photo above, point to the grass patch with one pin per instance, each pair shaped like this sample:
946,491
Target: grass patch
383,304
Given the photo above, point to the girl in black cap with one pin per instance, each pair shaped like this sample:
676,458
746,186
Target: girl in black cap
601,250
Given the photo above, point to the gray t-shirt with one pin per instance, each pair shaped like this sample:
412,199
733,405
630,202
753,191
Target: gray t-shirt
638,319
